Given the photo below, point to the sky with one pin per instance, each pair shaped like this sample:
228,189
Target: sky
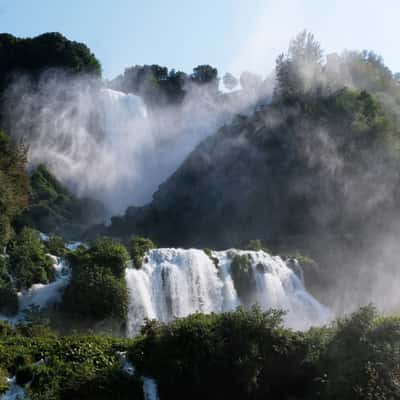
232,35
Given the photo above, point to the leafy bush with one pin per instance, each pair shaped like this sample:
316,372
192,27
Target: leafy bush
254,245
241,355
213,259
138,247
243,277
98,289
28,262
75,367
56,246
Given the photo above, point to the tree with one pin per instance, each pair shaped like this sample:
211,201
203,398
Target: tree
32,56
205,76
230,82
299,70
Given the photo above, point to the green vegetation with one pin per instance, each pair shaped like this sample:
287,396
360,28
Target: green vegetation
56,246
14,184
243,277
254,245
84,367
54,209
158,86
28,262
250,355
8,293
241,354
138,246
3,380
35,55
213,259
98,289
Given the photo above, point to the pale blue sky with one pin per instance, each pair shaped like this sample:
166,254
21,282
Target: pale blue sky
230,34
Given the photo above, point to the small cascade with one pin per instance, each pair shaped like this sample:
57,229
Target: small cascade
43,295
175,283
149,389
149,384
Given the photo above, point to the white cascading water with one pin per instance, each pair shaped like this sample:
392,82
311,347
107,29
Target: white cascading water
103,143
43,295
175,283
150,390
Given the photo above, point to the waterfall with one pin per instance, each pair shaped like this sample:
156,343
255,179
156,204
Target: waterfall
175,283
150,390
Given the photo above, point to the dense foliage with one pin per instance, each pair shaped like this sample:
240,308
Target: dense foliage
84,367
14,184
241,354
28,261
158,86
138,246
249,355
8,293
54,209
32,56
97,289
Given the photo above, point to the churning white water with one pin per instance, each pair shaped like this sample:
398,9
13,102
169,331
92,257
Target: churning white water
175,283
43,295
150,390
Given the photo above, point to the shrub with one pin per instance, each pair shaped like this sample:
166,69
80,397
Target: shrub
94,293
254,245
138,247
210,256
243,277
98,289
28,262
56,246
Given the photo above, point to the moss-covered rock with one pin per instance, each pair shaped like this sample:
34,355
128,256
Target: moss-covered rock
243,277
212,258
